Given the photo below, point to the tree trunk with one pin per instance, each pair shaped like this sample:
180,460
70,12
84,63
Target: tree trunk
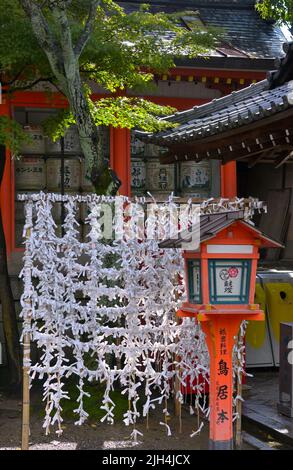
11,334
63,58
103,177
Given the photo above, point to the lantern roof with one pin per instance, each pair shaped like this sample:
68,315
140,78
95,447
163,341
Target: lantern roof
212,224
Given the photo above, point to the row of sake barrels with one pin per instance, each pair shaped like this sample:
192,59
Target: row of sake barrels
150,175
40,144
34,173
141,149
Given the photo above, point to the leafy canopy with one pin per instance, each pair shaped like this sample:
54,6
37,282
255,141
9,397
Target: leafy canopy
280,10
122,53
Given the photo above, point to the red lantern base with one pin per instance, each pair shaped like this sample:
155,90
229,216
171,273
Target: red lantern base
221,326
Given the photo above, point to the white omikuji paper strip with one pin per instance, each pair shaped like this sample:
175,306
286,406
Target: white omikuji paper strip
77,304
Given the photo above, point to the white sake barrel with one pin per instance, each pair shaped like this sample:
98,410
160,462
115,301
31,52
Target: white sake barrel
37,144
195,177
71,174
30,173
138,175
137,147
159,177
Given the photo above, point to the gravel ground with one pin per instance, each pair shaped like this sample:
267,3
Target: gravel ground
100,435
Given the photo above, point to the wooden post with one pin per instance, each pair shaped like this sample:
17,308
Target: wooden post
177,386
238,426
25,432
26,394
238,430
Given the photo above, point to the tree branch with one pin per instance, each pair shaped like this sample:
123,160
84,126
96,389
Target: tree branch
28,86
44,36
88,28
61,21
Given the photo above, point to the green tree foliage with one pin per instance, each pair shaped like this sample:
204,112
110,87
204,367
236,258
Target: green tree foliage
280,10
76,45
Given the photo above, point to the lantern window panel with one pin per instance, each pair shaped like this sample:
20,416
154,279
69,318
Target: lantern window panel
229,281
194,281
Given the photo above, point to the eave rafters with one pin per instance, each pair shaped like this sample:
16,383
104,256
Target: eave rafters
267,137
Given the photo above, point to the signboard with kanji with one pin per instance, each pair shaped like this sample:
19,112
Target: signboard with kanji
229,281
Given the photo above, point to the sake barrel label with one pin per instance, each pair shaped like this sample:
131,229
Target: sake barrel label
137,147
30,173
71,174
195,176
37,140
138,174
160,177
152,150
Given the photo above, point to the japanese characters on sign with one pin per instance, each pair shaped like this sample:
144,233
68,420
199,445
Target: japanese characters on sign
160,177
222,388
195,176
138,175
229,281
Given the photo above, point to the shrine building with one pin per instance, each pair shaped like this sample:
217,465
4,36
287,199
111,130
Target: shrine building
237,67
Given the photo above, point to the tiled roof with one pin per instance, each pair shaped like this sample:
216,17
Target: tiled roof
211,224
235,110
246,34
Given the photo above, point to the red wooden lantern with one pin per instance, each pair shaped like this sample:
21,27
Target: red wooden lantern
220,279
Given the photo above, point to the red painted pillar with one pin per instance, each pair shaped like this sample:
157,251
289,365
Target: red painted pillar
220,331
120,160
6,190
229,180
